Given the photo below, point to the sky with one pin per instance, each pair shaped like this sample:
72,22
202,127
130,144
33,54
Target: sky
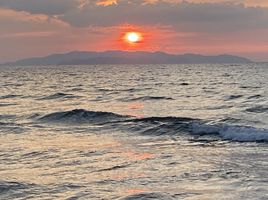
30,28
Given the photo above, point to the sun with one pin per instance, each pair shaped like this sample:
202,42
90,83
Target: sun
133,37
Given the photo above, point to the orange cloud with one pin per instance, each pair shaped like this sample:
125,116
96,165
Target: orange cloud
84,3
106,2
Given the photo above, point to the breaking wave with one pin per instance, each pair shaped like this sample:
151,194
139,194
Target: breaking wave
159,125
232,132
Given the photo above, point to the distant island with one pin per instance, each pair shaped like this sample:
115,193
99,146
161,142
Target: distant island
126,57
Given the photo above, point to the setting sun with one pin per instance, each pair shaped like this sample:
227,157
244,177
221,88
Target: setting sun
133,37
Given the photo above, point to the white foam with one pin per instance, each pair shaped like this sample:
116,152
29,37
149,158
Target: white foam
244,134
200,129
232,132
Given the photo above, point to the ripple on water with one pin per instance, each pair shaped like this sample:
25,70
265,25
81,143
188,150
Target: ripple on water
7,104
10,96
145,196
257,96
233,97
258,109
9,127
13,190
59,95
145,98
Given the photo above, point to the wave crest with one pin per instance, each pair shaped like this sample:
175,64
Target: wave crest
80,116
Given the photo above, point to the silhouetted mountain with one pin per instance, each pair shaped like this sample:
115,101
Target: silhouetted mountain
126,57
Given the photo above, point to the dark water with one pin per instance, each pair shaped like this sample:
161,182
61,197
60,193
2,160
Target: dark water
134,132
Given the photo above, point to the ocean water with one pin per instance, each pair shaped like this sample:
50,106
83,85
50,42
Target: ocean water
194,132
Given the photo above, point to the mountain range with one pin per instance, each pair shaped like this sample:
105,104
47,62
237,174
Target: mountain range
126,57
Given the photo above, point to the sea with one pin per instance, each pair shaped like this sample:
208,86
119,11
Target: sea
192,132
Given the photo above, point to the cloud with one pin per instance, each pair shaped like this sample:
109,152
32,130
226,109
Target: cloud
191,15
23,33
51,7
27,35
14,21
48,7
203,17
247,3
61,7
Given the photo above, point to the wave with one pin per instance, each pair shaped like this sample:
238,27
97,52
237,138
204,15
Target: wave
11,186
218,107
184,84
232,132
160,125
18,190
5,117
258,109
250,87
112,168
58,96
9,96
257,96
79,116
7,104
197,127
10,127
233,97
143,196
146,98
130,90
2,124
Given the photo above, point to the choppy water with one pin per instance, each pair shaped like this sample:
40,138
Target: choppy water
134,132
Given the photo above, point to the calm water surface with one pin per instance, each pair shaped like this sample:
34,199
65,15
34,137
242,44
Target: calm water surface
134,132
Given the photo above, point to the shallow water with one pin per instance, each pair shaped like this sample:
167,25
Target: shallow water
134,132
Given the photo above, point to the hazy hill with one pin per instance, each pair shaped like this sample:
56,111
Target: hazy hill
126,57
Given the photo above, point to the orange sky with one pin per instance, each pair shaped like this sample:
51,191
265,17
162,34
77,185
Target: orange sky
210,27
